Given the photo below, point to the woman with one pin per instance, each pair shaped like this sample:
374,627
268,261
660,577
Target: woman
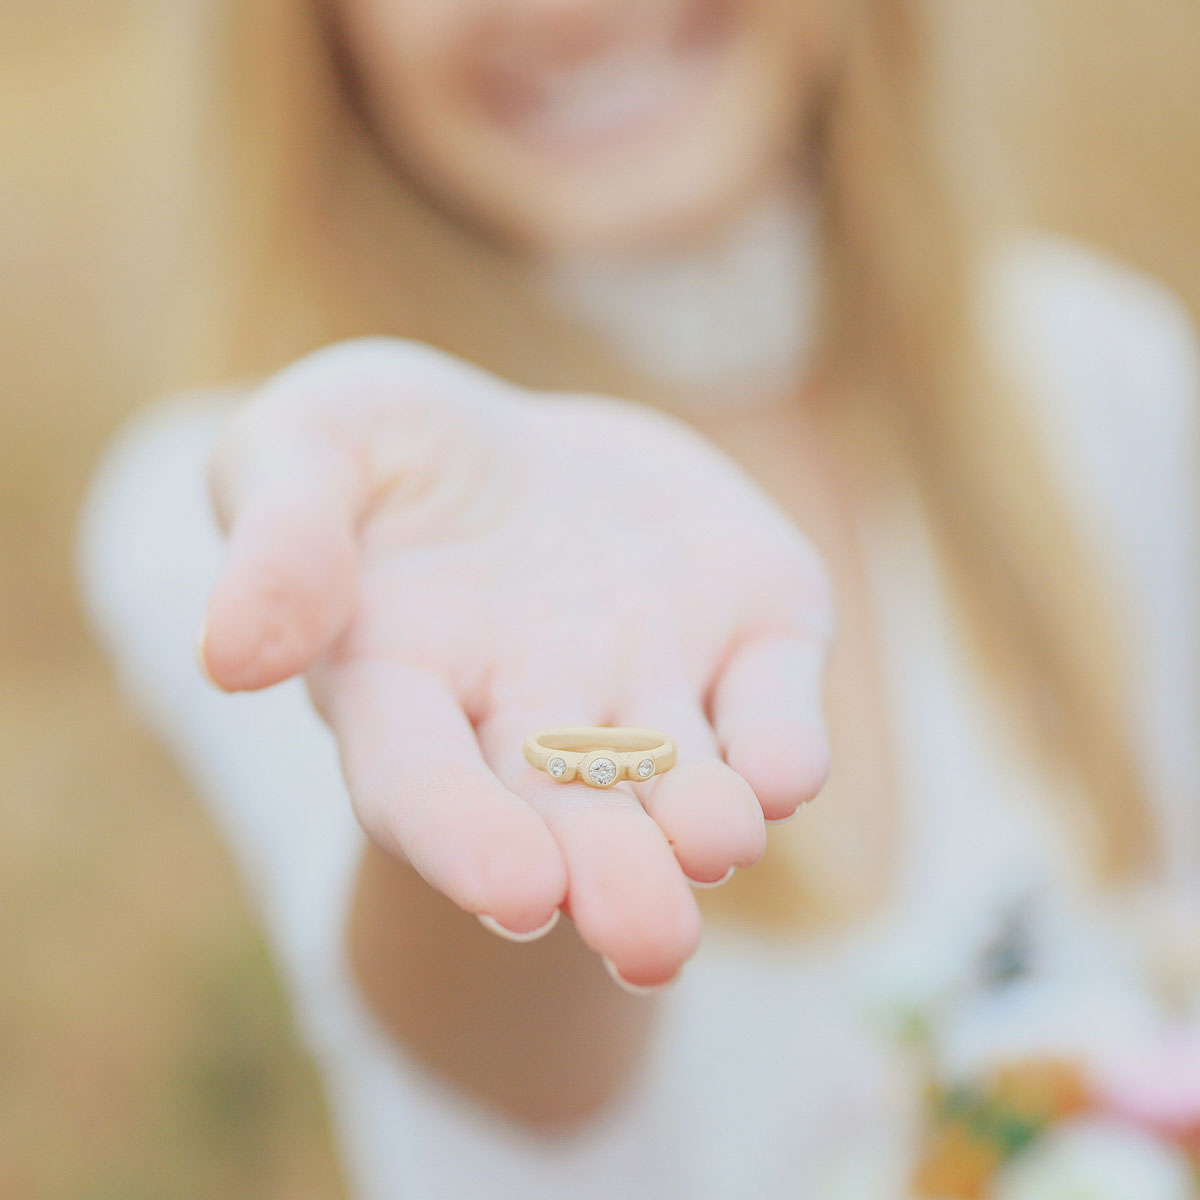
731,211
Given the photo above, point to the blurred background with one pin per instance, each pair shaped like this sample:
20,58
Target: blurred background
144,1046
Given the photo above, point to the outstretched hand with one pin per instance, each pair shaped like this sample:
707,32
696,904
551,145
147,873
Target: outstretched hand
455,562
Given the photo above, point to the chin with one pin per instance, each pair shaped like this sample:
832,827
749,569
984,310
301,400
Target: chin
654,193
606,220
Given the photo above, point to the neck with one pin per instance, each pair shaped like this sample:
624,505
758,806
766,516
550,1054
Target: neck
729,321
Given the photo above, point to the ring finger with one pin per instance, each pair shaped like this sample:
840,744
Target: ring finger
626,894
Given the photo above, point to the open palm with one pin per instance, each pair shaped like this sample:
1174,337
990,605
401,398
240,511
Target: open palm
456,562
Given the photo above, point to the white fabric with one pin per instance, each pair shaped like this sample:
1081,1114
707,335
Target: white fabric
772,1075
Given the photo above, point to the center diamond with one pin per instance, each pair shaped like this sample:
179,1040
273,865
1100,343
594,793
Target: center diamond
602,771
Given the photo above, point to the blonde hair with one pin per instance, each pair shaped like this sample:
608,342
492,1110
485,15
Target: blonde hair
905,323
321,239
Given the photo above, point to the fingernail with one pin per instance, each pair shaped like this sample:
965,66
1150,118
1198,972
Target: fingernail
511,934
635,989
201,662
790,817
700,883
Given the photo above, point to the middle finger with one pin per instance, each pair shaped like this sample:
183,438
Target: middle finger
627,896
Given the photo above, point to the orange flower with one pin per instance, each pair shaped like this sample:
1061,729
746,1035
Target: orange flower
958,1164
1040,1089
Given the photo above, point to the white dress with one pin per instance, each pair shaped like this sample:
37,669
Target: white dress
773,1073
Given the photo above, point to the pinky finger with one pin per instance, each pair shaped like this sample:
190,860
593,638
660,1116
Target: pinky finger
768,715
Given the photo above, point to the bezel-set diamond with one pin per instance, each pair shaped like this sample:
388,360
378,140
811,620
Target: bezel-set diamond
645,768
602,771
557,767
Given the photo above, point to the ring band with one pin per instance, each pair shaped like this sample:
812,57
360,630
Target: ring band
600,755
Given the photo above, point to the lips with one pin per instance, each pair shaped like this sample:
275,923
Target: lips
591,85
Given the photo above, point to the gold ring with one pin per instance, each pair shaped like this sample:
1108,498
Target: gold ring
600,755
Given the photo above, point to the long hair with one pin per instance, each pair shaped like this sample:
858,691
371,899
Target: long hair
309,235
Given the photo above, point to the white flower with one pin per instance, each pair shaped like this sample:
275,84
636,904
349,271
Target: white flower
1090,1020
1098,1160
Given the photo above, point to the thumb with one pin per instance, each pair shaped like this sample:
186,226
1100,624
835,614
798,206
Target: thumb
290,497
296,472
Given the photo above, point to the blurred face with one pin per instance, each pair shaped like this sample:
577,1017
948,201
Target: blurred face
589,124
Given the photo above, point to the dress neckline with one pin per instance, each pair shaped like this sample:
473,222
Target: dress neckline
731,320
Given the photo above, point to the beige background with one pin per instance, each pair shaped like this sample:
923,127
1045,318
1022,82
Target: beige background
144,1050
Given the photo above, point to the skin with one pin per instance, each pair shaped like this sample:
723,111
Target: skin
502,108
450,560
453,562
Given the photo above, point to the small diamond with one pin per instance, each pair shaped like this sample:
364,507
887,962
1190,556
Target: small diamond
557,767
645,768
602,771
